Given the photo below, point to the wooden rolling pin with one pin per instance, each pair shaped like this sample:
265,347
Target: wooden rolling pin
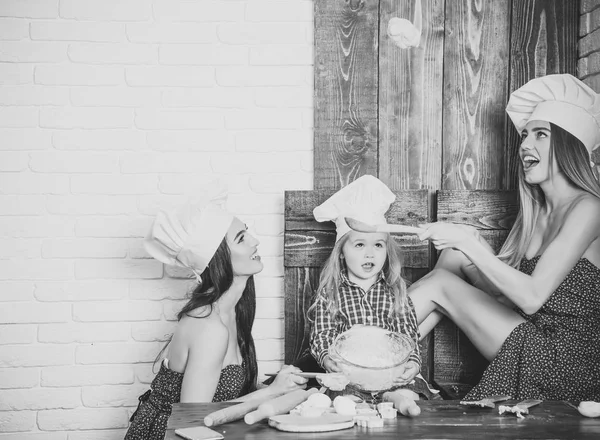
234,412
279,405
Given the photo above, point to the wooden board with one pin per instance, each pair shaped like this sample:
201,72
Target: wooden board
544,41
308,243
345,74
323,423
410,98
475,94
438,420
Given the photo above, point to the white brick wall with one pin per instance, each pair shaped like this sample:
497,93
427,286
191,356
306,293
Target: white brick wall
109,111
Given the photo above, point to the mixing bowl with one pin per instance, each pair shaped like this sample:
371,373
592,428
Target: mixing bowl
371,357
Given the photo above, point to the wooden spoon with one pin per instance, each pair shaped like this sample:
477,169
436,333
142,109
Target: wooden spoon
359,226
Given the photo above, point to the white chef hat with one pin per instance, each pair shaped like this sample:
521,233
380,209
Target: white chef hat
190,235
562,100
366,199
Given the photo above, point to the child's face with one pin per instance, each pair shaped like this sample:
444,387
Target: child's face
365,254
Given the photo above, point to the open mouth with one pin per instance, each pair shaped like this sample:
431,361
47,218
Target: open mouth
368,266
530,162
255,257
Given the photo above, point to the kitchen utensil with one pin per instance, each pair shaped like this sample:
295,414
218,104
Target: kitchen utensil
278,405
235,412
371,357
359,226
520,408
323,423
488,402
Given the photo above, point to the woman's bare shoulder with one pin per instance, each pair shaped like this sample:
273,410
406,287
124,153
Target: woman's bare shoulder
587,207
202,326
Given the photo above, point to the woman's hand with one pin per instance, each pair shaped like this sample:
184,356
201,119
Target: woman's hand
445,235
330,365
411,369
287,381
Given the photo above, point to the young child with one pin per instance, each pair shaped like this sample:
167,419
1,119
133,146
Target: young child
361,283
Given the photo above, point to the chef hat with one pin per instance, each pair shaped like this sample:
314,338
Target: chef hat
190,235
562,100
366,199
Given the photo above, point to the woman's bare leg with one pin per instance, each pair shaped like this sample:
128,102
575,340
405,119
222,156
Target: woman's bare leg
454,262
485,321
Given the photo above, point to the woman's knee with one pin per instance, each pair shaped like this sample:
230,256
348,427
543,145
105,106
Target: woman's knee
433,281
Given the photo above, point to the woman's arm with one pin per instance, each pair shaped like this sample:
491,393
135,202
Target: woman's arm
580,228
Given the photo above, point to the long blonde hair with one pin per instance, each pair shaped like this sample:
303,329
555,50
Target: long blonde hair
331,278
573,162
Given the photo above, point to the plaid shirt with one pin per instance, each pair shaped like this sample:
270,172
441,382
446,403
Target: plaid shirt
374,307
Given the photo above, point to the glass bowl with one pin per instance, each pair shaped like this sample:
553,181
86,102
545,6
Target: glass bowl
371,357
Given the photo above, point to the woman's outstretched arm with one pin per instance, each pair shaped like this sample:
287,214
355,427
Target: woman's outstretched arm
580,228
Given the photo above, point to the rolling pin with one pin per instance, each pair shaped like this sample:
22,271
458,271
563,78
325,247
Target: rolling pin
234,412
279,405
404,402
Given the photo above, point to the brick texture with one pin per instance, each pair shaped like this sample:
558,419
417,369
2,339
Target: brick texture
109,112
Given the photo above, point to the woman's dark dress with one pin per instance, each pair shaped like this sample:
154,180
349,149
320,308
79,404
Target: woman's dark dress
555,354
149,421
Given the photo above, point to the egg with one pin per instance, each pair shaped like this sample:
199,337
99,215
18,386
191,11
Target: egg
344,406
318,400
588,409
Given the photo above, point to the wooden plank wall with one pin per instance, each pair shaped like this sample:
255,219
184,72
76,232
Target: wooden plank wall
346,112
429,117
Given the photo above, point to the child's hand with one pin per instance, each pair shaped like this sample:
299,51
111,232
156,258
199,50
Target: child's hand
411,369
330,365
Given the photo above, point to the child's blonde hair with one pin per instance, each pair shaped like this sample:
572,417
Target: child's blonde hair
331,277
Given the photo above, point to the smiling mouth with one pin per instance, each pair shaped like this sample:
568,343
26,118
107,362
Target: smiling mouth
530,162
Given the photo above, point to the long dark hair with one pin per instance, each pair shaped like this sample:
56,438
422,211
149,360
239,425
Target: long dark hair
217,278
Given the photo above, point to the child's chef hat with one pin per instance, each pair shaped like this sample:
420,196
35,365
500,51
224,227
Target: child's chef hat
190,235
366,199
562,100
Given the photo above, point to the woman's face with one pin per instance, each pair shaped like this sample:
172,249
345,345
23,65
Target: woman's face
243,248
535,152
365,255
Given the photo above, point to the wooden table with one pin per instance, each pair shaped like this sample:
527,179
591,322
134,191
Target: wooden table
438,420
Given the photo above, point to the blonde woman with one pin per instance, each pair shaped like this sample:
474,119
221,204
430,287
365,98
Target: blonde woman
540,327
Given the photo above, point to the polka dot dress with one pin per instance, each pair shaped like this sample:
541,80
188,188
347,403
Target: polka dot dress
149,421
555,354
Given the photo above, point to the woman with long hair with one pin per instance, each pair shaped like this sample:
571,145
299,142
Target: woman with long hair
533,310
210,356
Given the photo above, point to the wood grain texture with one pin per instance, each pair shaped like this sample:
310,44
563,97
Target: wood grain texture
308,243
481,209
438,420
544,41
456,361
346,34
475,94
410,98
300,287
